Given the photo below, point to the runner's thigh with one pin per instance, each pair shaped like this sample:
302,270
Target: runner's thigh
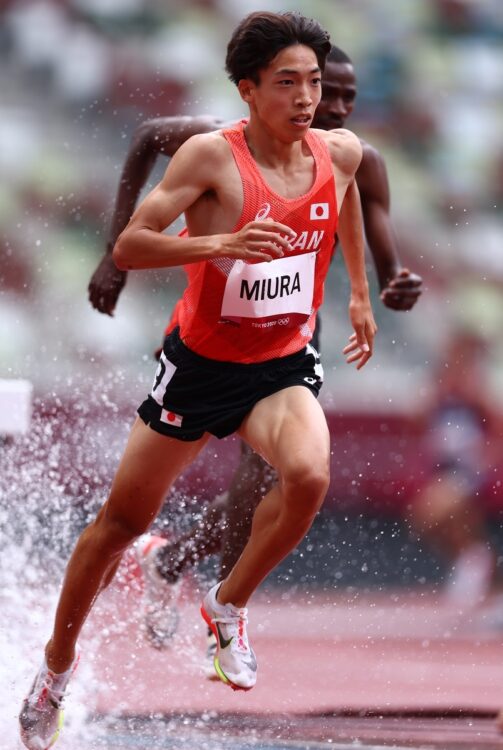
290,431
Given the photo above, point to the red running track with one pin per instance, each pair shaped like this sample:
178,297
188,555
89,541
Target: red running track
397,668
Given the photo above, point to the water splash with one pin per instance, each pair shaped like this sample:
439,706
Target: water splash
52,482
50,485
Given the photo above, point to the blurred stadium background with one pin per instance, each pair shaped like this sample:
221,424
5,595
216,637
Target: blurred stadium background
78,76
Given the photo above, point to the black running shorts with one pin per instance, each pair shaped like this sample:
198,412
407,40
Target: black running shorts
192,394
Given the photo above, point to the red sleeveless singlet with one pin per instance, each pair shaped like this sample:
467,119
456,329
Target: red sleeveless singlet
238,311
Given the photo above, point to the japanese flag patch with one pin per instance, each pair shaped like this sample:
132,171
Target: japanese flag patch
319,211
169,417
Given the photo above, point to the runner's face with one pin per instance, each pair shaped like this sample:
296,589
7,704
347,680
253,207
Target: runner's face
338,96
287,94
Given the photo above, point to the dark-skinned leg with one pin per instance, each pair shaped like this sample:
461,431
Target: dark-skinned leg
251,482
225,524
450,519
224,528
203,539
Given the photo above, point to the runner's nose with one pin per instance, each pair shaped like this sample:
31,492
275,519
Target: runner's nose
304,97
337,108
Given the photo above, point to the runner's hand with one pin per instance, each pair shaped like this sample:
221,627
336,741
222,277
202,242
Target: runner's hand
403,291
358,351
259,240
361,342
105,286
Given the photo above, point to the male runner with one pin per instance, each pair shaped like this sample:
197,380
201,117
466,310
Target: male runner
262,202
400,289
224,526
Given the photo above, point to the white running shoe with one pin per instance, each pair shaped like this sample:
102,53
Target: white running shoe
42,715
209,657
235,662
160,598
471,576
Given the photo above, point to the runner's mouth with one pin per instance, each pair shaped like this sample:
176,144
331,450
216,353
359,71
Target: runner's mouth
301,119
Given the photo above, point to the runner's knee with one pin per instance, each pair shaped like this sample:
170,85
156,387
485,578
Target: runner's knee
117,531
305,486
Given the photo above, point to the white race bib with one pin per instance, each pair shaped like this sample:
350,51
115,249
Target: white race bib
264,290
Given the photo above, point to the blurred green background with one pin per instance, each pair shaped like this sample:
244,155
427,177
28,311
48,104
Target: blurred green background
78,76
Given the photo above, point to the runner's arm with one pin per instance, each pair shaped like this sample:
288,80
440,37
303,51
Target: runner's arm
162,135
350,231
400,289
193,171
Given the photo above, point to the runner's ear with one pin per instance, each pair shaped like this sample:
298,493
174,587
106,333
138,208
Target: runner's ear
245,88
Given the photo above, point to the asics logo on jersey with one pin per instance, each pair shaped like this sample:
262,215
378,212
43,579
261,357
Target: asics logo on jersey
224,642
263,212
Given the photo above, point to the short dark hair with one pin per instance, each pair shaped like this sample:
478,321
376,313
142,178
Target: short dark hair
337,55
261,35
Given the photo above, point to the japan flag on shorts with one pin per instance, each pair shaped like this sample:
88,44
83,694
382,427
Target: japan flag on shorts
169,417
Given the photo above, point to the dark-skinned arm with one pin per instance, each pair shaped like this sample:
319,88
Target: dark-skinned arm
163,135
400,289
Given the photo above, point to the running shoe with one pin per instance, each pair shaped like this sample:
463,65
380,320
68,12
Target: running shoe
471,576
160,598
209,658
235,662
42,715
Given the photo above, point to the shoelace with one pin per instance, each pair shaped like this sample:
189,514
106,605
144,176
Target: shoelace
242,618
55,696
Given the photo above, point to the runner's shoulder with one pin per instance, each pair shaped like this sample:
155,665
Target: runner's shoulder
372,173
370,154
206,149
191,124
345,147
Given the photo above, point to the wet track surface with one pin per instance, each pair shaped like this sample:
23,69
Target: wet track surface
298,731
396,670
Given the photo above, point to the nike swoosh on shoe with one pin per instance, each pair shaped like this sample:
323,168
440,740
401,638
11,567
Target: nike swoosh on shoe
251,662
224,642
